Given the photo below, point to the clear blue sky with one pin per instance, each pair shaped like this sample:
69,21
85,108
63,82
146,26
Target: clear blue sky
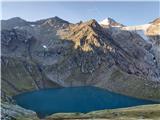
128,13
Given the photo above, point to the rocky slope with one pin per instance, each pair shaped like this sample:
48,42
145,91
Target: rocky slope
15,112
150,33
55,53
153,32
20,70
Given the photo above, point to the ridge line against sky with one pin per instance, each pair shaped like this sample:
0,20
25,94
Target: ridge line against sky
80,0
126,12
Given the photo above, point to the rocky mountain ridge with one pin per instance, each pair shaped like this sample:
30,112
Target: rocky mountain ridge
55,53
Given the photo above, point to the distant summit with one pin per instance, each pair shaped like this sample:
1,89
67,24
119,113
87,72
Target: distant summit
110,22
156,21
52,20
154,28
17,22
13,22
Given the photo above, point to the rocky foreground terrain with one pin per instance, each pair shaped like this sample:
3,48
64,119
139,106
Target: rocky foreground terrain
55,53
146,112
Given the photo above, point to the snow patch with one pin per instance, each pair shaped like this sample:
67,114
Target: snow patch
44,46
110,21
118,26
138,27
32,25
16,27
105,22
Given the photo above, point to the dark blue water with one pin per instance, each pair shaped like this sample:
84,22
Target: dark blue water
75,99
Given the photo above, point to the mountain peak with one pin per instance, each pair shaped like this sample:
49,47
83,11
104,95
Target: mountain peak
107,21
110,22
56,18
156,21
92,22
16,19
52,21
13,22
85,35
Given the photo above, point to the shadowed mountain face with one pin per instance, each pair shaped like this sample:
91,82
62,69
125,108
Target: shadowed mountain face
154,34
55,53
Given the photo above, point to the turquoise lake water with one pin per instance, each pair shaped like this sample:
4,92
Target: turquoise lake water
74,99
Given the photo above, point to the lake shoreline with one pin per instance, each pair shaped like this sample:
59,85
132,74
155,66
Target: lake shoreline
75,100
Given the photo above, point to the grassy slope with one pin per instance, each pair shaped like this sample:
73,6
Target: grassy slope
17,79
131,113
120,82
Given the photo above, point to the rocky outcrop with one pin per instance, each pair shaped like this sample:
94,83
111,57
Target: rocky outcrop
15,112
154,28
